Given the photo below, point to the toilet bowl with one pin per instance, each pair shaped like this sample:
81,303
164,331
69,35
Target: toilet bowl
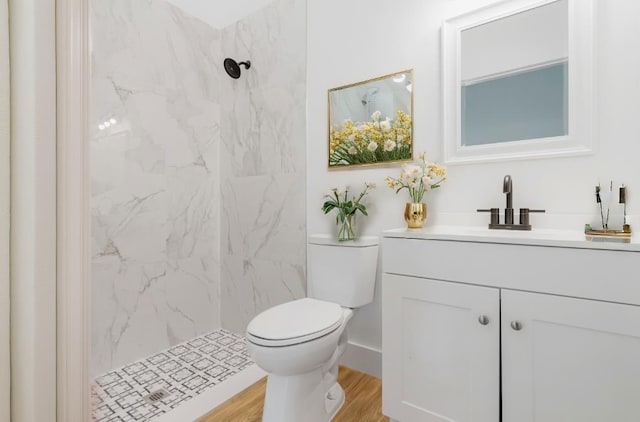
303,365
299,343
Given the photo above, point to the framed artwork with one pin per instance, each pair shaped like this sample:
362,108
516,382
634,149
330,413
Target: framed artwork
370,122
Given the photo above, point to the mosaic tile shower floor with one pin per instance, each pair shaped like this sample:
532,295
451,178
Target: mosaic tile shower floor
184,370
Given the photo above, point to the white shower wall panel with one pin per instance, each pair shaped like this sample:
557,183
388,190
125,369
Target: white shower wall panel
155,135
263,163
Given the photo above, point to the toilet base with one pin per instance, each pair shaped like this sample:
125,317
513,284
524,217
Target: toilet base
302,385
301,398
334,400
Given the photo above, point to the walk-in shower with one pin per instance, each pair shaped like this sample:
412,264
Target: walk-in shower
180,261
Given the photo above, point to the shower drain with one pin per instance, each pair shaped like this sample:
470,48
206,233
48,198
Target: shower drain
156,396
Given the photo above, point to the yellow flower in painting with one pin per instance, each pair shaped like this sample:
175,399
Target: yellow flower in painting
371,141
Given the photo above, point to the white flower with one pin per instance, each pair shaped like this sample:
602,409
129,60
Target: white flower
353,150
427,182
385,125
418,177
400,138
372,146
351,137
371,185
406,174
414,171
376,115
389,145
411,174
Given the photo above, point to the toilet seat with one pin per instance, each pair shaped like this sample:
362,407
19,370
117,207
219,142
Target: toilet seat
295,322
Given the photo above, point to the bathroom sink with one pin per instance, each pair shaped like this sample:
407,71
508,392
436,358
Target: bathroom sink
540,237
504,234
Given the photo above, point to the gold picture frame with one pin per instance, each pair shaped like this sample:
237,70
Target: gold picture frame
371,122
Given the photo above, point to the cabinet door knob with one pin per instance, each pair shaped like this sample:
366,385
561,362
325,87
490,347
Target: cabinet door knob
483,319
516,325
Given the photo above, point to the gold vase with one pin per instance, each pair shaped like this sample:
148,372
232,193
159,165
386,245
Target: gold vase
415,215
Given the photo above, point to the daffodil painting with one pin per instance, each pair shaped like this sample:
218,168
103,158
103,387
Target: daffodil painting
370,122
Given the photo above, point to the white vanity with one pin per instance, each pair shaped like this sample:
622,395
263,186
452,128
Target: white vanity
489,326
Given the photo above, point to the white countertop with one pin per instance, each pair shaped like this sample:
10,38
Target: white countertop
535,237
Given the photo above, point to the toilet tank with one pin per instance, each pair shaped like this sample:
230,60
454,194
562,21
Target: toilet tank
342,272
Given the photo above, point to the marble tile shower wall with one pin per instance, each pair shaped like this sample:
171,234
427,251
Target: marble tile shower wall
155,179
263,156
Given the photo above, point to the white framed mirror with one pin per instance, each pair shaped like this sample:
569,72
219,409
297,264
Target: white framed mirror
518,81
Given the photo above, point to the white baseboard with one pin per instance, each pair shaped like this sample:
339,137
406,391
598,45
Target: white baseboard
363,358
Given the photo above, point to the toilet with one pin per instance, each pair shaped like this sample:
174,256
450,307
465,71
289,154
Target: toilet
299,343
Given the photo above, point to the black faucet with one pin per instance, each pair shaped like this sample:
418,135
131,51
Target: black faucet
507,188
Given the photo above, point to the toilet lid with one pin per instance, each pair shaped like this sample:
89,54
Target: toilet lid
294,322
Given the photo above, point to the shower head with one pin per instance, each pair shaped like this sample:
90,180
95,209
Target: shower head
370,95
233,68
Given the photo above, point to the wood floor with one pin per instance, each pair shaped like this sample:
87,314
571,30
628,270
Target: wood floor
363,402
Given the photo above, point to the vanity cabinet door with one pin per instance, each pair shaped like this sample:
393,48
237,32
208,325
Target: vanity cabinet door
567,359
441,351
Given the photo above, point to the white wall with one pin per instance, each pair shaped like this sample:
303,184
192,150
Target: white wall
371,38
5,128
33,217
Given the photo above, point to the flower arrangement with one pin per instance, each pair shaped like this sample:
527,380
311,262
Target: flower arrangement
418,178
371,142
338,199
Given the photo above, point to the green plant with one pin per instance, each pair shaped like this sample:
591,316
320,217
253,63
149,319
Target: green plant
338,199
